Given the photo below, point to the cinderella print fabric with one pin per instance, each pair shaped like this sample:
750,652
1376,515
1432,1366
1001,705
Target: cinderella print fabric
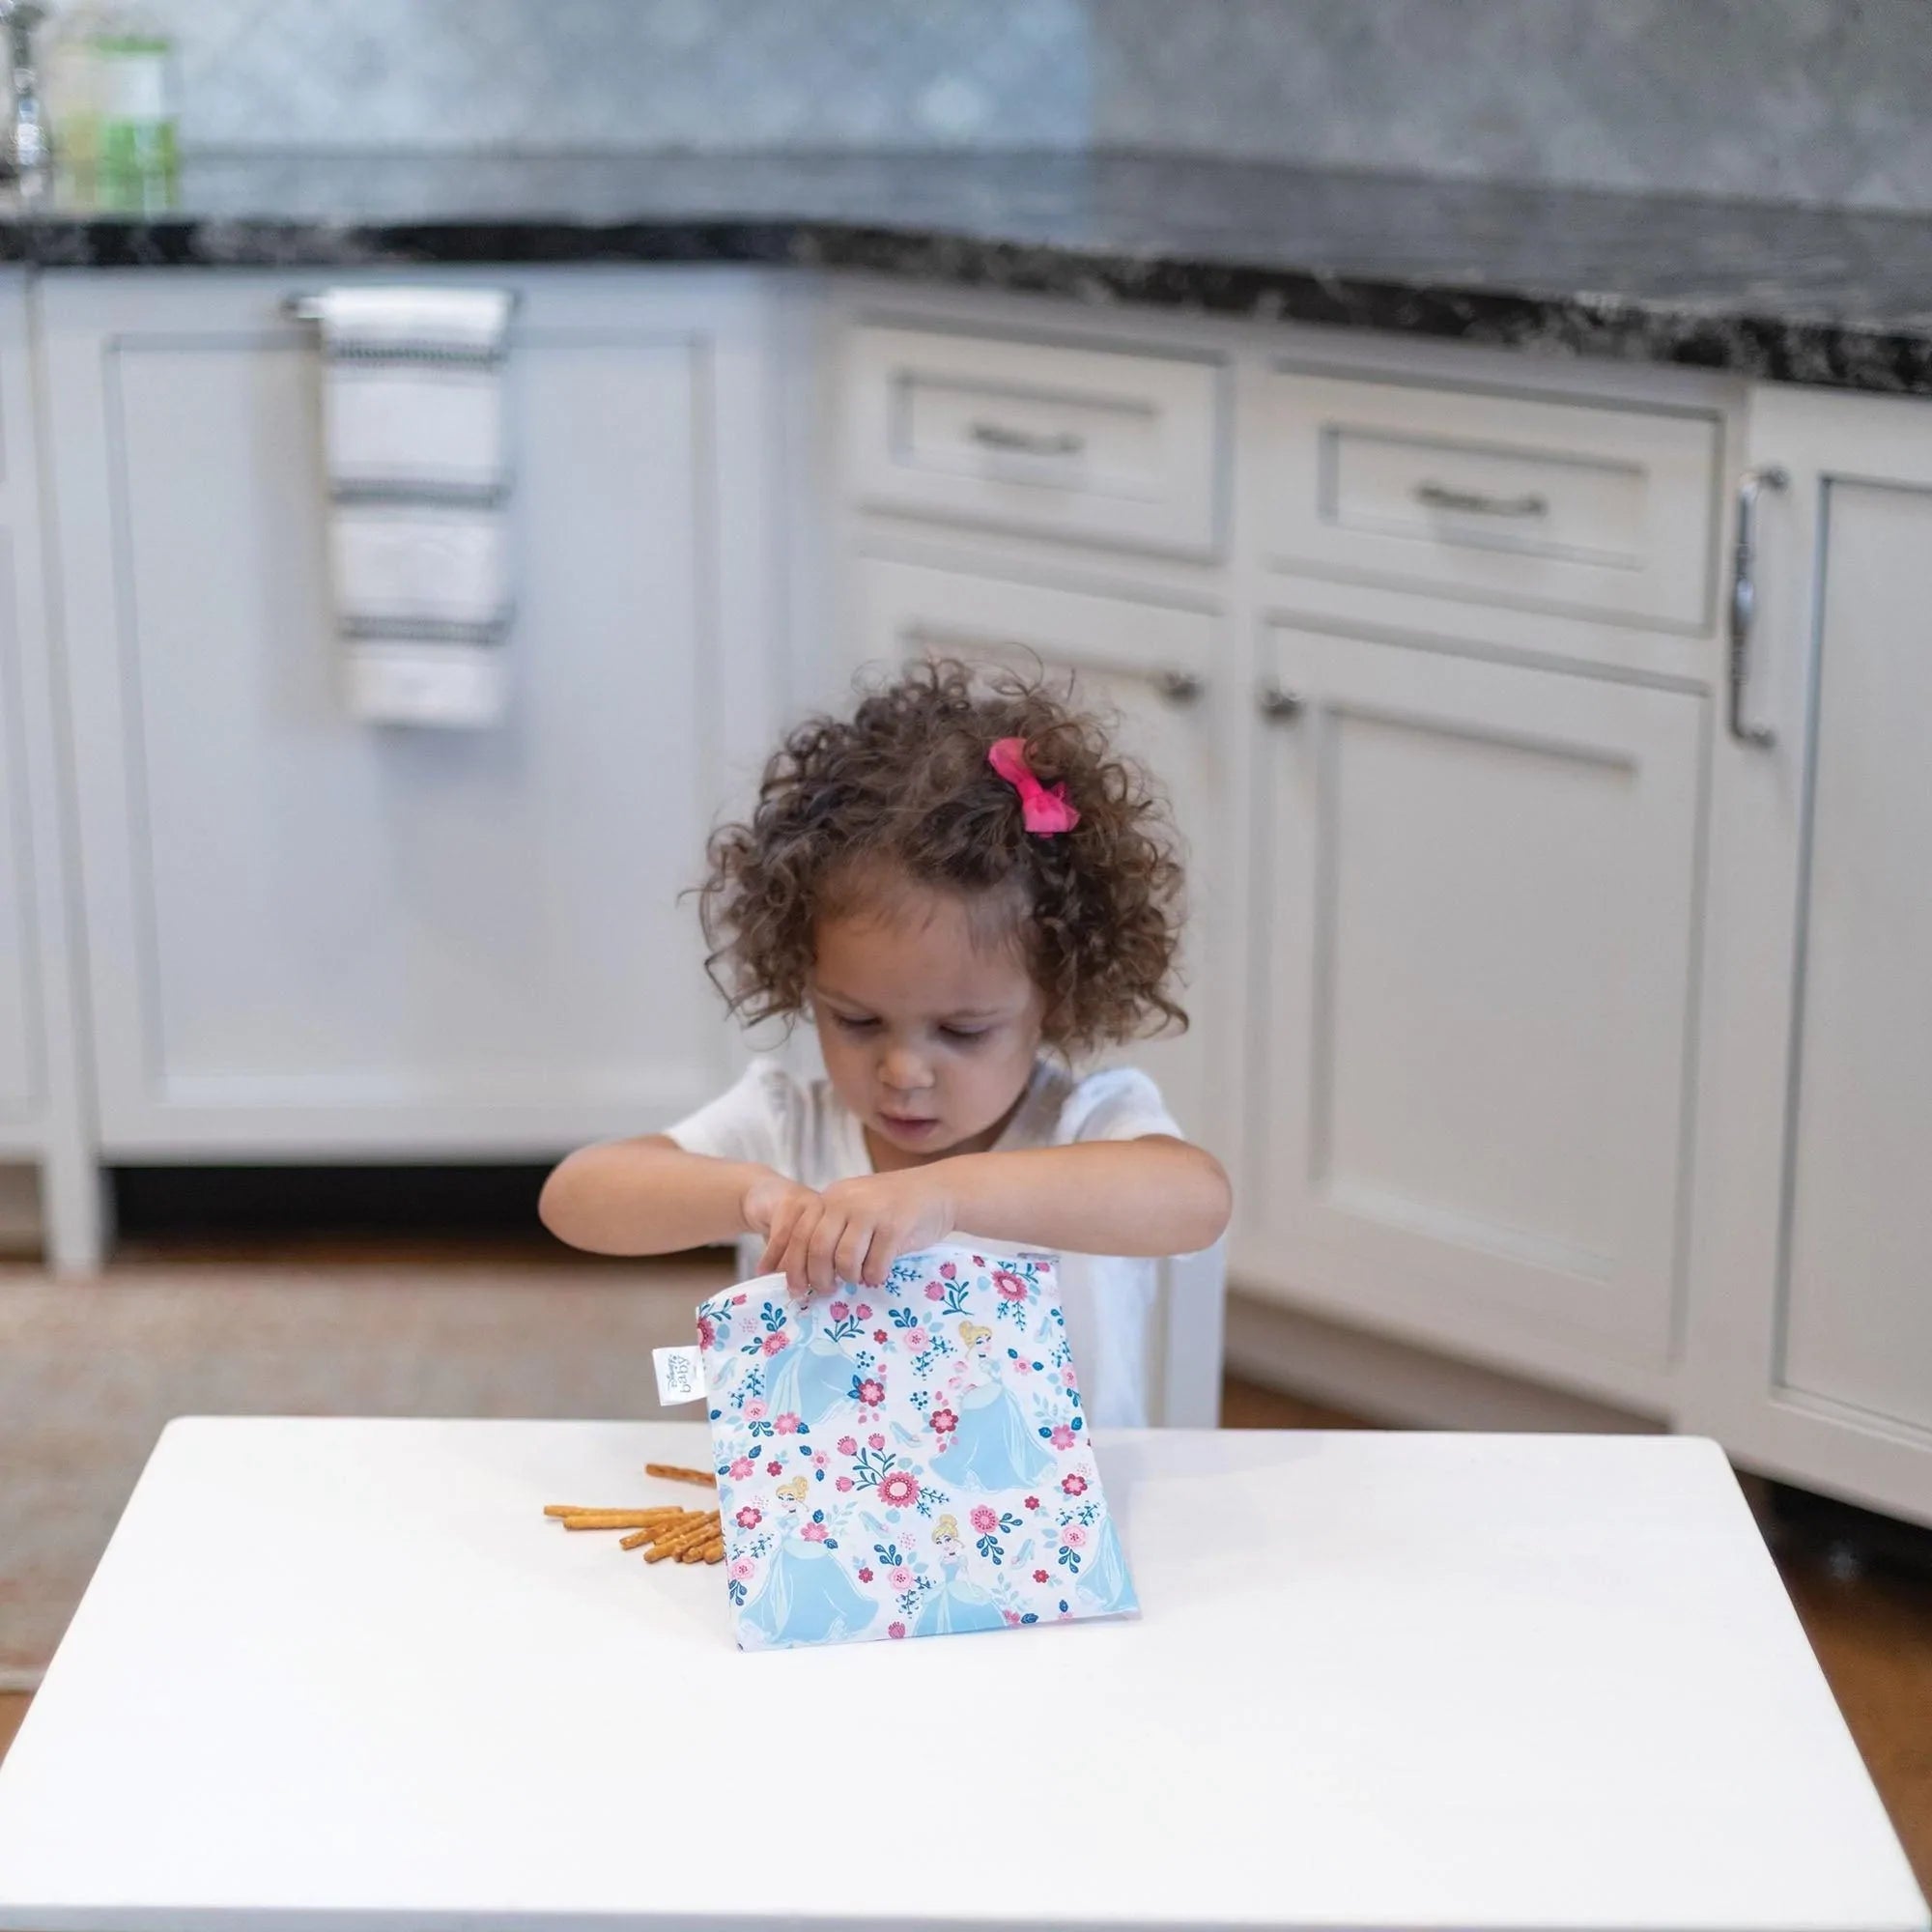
910,1460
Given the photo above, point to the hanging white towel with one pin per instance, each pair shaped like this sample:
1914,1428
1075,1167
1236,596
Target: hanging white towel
419,485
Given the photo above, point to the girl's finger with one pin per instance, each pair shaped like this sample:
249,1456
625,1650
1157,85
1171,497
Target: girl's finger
798,1245
783,1220
824,1244
849,1257
887,1245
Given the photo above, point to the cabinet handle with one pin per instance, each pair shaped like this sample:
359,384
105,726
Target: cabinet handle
1277,705
1744,600
1180,687
1473,502
1025,441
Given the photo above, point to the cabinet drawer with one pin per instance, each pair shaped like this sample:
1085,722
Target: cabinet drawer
1090,443
1581,507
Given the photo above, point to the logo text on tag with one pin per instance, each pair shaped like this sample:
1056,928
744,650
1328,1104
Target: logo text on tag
680,1374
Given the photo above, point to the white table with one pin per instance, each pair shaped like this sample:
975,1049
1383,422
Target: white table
343,1673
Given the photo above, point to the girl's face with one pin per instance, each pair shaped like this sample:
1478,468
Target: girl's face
928,1035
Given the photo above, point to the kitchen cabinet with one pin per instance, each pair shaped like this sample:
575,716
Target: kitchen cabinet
1810,1348
1471,958
1156,669
312,936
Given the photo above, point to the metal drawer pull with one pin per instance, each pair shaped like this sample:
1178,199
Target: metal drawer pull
1276,705
1472,502
1743,601
1180,687
1025,441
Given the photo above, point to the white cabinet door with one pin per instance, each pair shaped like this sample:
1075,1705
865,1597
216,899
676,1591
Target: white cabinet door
306,933
1153,667
1811,1339
1474,940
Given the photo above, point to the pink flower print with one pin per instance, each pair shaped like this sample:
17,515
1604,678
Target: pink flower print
1041,1576
896,1630
1011,1287
978,1261
916,1340
749,1517
819,1460
901,1579
871,1392
933,1291
744,1569
839,1311
1069,1377
1012,1617
774,1469
814,1532
775,1344
847,1446
1033,1502
875,1441
1062,1437
754,1411
880,1336
786,1424
944,1421
863,1313
1021,1366
1074,1486
843,1485
984,1520
737,1301
864,1575
707,1332
948,1270
1073,1536
899,1490
742,1469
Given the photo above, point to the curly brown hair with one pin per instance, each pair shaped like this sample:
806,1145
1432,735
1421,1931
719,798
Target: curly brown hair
900,793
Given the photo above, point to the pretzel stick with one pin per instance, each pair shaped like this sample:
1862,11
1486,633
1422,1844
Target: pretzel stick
714,1550
671,1473
671,1543
613,1520
597,1509
675,1520
674,1546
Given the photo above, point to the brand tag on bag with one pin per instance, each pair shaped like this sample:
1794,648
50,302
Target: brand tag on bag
680,1374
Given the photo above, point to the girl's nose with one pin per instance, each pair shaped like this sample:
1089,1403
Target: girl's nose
905,1071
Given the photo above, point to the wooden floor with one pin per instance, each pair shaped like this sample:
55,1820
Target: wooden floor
1872,1633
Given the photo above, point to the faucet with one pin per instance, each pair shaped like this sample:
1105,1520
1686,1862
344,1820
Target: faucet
24,146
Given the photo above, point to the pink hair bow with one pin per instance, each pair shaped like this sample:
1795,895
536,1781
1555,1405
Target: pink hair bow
1043,808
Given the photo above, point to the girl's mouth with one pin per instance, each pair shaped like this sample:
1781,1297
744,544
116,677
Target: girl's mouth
907,1126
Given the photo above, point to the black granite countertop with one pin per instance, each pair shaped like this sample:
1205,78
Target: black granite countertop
1789,294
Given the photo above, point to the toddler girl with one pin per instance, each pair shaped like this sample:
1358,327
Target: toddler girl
966,891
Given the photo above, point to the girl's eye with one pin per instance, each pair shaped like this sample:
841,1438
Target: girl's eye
965,1036
847,1024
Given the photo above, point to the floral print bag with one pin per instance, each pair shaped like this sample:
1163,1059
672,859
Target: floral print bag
910,1460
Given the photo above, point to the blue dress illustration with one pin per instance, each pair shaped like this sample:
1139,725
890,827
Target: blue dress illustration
1104,1581
992,1448
808,1597
956,1605
810,1380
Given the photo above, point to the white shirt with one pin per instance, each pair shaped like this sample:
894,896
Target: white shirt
803,1130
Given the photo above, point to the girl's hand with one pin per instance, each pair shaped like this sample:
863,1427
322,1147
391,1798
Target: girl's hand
857,1229
772,1207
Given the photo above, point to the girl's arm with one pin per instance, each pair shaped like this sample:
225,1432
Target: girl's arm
651,1197
1152,1196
